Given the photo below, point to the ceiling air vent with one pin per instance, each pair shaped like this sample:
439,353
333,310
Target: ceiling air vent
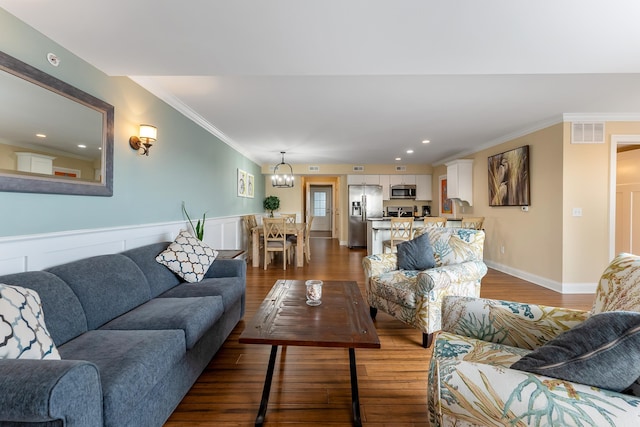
314,168
587,133
401,168
358,168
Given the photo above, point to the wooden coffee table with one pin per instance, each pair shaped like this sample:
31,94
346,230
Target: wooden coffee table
284,318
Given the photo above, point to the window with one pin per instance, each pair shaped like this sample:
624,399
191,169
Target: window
319,204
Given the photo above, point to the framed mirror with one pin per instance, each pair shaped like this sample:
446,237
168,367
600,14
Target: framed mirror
54,138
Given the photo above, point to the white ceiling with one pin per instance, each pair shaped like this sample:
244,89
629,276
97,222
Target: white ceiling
361,81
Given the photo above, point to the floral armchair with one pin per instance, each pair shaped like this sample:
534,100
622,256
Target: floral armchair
415,296
470,379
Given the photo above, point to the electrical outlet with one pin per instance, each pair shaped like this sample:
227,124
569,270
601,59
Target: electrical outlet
502,249
576,212
524,208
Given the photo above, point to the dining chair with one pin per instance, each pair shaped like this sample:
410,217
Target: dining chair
307,234
275,239
435,221
290,218
401,231
473,223
250,222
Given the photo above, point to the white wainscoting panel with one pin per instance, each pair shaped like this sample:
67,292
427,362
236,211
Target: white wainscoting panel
41,251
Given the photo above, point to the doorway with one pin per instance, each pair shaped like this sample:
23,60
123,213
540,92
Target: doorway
321,208
624,207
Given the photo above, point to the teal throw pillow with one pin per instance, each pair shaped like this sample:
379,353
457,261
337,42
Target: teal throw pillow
603,351
416,254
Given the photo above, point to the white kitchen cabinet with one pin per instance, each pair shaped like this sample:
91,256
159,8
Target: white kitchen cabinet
384,181
460,180
363,179
402,180
35,163
423,187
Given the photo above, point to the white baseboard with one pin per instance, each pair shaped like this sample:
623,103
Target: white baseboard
563,288
41,251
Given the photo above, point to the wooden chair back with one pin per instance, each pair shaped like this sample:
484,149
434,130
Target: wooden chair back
474,223
290,218
275,239
401,231
435,221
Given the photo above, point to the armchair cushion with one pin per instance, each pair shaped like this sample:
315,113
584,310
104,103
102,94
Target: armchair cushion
416,254
601,352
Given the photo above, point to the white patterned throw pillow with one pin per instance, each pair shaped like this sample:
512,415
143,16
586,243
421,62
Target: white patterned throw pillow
188,257
23,333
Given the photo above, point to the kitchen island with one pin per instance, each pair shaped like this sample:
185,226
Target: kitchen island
378,230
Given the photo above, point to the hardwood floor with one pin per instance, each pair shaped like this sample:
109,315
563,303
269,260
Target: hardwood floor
311,385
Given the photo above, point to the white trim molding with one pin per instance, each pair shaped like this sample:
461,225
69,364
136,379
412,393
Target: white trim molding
41,251
563,288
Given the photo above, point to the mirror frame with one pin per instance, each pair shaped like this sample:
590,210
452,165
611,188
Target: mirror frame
39,184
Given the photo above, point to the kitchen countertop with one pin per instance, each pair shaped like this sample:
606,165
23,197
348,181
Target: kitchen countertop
417,218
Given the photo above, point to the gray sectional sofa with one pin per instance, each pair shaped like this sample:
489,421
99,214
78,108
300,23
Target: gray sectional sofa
133,338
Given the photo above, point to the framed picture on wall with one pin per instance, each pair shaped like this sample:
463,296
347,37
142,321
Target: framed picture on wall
250,185
242,183
447,207
509,178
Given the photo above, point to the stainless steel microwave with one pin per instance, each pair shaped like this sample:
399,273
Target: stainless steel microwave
403,191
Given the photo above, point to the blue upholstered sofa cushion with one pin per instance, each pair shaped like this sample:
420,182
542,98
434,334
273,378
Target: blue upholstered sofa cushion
130,363
63,324
231,289
159,277
194,316
107,286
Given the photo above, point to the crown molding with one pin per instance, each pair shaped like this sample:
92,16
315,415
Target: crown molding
601,117
505,138
149,84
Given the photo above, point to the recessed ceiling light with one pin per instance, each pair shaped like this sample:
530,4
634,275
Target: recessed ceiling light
41,135
426,141
409,151
398,159
82,146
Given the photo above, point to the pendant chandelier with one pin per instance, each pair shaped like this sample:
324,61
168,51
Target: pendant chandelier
281,178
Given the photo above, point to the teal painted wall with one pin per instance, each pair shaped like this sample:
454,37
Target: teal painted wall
186,163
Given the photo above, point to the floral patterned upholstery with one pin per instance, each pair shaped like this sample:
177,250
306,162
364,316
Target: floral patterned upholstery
415,297
471,384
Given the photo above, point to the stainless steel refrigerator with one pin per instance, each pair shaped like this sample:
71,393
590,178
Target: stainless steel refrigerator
365,201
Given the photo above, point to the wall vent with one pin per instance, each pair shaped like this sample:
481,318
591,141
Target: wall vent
314,168
358,168
587,133
401,168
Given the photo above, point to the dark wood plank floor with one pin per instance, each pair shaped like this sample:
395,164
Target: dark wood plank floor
311,385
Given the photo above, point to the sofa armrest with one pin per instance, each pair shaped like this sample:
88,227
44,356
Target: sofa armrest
375,265
45,390
490,395
506,322
227,268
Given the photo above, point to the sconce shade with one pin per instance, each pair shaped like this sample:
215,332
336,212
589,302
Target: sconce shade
144,140
148,132
282,178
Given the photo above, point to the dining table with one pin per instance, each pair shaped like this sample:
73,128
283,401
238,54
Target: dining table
296,229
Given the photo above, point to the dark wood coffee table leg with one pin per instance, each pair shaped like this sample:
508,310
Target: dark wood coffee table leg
355,398
267,387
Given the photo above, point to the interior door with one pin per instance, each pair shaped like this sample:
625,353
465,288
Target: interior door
321,207
627,218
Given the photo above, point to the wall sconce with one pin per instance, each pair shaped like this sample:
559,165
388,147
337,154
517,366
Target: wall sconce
145,139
